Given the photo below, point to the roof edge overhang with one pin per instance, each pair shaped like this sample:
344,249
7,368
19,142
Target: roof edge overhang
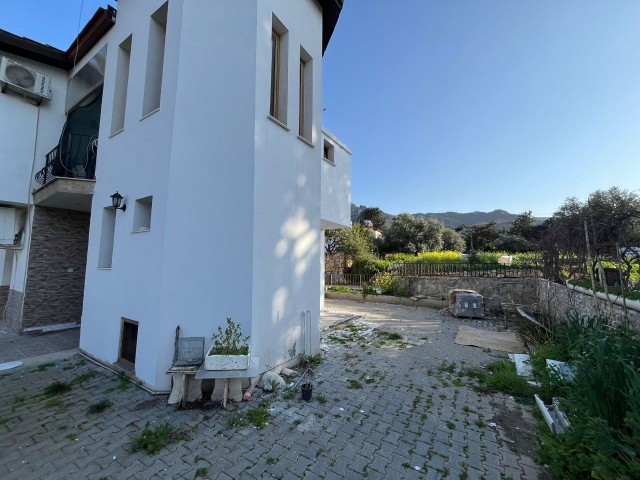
330,13
94,30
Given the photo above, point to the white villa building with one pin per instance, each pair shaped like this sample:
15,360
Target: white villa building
206,117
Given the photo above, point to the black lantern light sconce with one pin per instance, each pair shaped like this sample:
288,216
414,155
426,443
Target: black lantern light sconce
116,202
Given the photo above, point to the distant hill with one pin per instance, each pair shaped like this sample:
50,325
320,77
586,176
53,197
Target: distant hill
502,218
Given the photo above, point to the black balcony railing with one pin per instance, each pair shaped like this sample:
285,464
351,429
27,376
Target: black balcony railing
74,157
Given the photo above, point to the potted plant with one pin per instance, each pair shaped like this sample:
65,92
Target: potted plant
230,350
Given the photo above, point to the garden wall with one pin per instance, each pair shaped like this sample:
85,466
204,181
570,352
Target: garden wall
495,291
557,300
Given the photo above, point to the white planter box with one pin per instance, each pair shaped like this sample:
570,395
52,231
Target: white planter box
226,362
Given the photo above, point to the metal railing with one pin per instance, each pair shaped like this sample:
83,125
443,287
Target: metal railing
353,280
58,160
494,270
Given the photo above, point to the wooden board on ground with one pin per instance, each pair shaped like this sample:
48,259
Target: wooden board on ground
501,341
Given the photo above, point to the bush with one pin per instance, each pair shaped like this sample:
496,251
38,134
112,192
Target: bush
384,282
602,403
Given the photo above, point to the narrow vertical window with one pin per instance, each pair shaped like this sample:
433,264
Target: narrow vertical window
121,84
155,60
107,234
305,110
275,73
301,109
279,56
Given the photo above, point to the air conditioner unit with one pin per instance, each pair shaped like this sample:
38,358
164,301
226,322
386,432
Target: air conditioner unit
21,79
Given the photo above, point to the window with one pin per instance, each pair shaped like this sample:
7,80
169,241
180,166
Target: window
155,60
142,214
121,84
128,342
279,55
107,234
305,117
327,151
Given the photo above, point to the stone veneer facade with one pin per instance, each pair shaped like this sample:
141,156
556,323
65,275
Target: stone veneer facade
56,271
4,296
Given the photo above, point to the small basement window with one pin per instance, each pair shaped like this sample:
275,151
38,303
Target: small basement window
128,342
142,214
327,152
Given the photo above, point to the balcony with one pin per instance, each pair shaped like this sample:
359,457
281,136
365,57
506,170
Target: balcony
68,177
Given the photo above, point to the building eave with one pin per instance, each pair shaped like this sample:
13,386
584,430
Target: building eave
24,47
330,13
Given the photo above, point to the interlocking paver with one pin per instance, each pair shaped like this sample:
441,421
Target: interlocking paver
409,412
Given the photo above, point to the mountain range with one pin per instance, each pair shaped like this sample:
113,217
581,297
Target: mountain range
502,218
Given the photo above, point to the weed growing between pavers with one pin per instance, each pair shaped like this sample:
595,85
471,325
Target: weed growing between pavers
57,388
258,417
152,440
201,472
43,367
100,406
353,384
83,377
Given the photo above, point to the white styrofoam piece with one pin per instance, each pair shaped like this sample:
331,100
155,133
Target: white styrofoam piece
10,365
523,366
561,368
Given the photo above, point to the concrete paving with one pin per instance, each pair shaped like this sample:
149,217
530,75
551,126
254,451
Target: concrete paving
19,347
382,407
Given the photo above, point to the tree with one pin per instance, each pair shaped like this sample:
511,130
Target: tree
479,237
452,240
375,215
613,221
407,234
511,243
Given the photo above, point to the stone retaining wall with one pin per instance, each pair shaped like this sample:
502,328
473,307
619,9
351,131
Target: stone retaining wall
494,290
556,301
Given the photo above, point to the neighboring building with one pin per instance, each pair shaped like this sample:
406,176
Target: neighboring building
210,127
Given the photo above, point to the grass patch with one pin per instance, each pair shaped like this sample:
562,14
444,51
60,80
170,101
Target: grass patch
271,461
322,399
341,288
481,423
354,384
53,403
43,367
152,440
201,472
100,406
84,376
57,388
19,399
289,393
505,379
307,361
393,336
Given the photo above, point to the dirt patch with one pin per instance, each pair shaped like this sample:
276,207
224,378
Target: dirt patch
517,429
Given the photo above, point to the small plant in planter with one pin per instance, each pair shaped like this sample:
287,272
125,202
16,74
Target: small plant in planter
230,350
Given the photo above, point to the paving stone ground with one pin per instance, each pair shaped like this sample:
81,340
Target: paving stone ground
381,408
19,347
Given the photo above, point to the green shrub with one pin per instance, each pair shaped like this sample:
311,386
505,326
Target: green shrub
385,282
154,439
504,378
341,288
602,403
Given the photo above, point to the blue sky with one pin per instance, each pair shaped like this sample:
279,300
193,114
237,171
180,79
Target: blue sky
463,105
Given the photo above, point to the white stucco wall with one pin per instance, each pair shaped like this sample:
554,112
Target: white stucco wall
236,223
336,185
134,162
28,132
286,246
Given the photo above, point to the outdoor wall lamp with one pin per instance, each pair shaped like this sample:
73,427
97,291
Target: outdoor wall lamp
116,201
